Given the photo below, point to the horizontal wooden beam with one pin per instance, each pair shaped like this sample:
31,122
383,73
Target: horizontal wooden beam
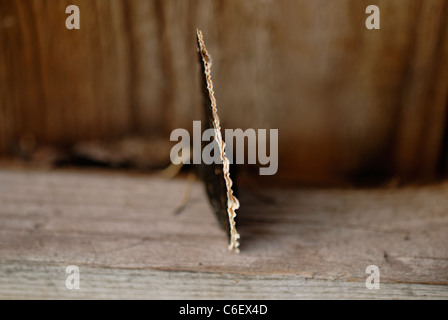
122,232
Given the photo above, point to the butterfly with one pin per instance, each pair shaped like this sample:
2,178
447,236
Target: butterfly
216,176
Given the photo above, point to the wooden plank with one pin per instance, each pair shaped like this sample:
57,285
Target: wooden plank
121,231
63,85
349,103
44,280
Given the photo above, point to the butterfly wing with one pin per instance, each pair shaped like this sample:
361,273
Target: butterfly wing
216,176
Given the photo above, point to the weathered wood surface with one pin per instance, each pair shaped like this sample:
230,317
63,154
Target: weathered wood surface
121,231
349,103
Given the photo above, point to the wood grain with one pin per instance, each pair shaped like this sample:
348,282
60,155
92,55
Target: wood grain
121,231
350,104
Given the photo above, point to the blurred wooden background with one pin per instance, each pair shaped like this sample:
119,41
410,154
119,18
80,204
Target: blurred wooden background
350,103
